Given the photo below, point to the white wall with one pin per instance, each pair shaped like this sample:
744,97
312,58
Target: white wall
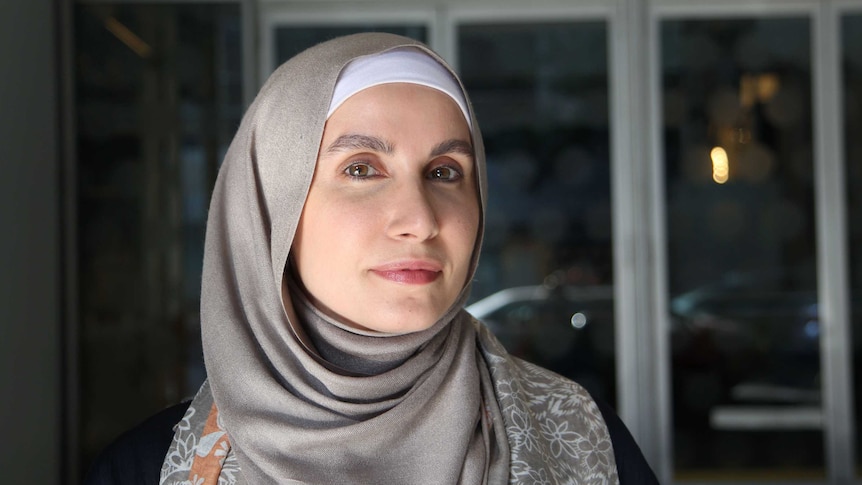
29,245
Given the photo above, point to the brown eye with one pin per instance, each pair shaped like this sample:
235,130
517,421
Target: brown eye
444,173
359,170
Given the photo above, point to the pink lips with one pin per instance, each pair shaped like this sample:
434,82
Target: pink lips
414,272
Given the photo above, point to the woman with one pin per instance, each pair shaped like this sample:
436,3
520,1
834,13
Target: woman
343,232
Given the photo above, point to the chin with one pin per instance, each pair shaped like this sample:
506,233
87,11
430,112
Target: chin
402,322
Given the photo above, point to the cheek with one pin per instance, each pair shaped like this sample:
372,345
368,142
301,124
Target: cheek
466,229
312,242
470,230
329,234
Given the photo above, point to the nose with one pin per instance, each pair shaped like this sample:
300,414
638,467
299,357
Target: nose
412,214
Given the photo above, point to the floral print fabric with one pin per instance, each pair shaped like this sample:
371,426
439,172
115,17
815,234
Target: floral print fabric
200,452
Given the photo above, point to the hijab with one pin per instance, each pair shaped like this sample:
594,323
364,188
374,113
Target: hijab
301,395
295,396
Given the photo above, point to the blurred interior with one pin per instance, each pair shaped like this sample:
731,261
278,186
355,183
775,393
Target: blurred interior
686,195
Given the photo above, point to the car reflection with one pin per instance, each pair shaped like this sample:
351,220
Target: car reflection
746,371
745,355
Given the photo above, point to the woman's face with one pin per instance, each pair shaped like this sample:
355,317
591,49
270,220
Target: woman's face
387,233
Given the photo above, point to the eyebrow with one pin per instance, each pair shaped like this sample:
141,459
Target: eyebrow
354,141
453,146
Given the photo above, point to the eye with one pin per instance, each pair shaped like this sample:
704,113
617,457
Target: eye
360,170
444,173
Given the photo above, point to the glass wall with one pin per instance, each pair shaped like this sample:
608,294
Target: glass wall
158,97
737,138
545,277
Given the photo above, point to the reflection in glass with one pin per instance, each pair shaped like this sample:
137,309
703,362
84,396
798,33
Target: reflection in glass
741,247
541,96
157,100
851,48
291,40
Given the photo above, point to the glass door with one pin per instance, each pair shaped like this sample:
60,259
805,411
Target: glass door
737,135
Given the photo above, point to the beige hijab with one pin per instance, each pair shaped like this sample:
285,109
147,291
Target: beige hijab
303,397
296,397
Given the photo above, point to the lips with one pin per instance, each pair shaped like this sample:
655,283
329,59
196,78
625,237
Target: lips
412,272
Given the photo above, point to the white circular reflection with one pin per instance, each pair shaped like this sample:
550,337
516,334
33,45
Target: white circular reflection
579,320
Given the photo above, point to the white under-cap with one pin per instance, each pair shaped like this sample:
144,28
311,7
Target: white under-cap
405,65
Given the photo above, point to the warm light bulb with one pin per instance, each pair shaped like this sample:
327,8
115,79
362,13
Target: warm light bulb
720,166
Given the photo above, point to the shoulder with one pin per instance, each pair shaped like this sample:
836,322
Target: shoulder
136,456
632,467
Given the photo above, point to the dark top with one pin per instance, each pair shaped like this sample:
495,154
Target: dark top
136,457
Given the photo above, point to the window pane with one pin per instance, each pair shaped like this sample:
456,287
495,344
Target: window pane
158,97
741,247
291,40
540,91
851,45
